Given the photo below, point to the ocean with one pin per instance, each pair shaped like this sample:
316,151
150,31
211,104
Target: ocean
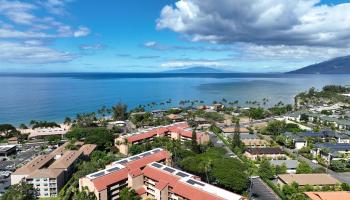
52,97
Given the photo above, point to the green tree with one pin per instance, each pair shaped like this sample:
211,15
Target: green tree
21,191
119,111
345,187
281,169
275,127
194,144
256,113
129,194
230,173
304,168
338,165
84,195
23,126
266,171
67,120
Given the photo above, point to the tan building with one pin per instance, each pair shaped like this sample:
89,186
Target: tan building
255,142
150,175
48,173
178,131
307,179
268,152
339,195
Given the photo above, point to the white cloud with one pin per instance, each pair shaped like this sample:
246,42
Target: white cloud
28,27
91,47
295,53
263,22
15,52
82,31
18,12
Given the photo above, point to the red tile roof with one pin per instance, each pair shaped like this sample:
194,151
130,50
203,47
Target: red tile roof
192,193
102,182
178,128
133,167
158,175
161,185
156,157
182,189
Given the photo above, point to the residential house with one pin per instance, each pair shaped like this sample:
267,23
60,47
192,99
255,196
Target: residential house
336,195
268,152
307,179
290,164
330,151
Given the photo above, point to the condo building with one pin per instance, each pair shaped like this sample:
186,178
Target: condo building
178,131
151,176
48,173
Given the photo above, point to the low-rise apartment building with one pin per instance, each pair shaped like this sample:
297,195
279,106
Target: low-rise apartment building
150,175
274,153
291,165
48,173
178,131
330,151
307,179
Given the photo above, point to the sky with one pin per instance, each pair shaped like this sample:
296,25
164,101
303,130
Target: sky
160,35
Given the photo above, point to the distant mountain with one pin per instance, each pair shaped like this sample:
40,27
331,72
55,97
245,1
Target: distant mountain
196,70
339,65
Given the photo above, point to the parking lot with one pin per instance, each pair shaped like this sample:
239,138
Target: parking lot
24,154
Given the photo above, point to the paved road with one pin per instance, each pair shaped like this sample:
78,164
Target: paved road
343,177
261,191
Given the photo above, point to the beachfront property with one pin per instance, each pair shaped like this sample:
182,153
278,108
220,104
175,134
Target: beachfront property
7,150
338,195
307,179
330,151
273,153
291,165
151,176
43,132
177,131
48,173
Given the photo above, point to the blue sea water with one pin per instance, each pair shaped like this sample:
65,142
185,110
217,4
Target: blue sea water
53,96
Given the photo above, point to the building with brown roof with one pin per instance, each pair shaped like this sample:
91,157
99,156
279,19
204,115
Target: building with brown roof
47,182
48,173
150,175
307,179
178,131
339,195
268,152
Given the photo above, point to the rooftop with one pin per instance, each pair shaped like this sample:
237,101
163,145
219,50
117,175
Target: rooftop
180,127
5,148
185,184
290,164
339,195
264,151
308,179
46,173
67,159
40,161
